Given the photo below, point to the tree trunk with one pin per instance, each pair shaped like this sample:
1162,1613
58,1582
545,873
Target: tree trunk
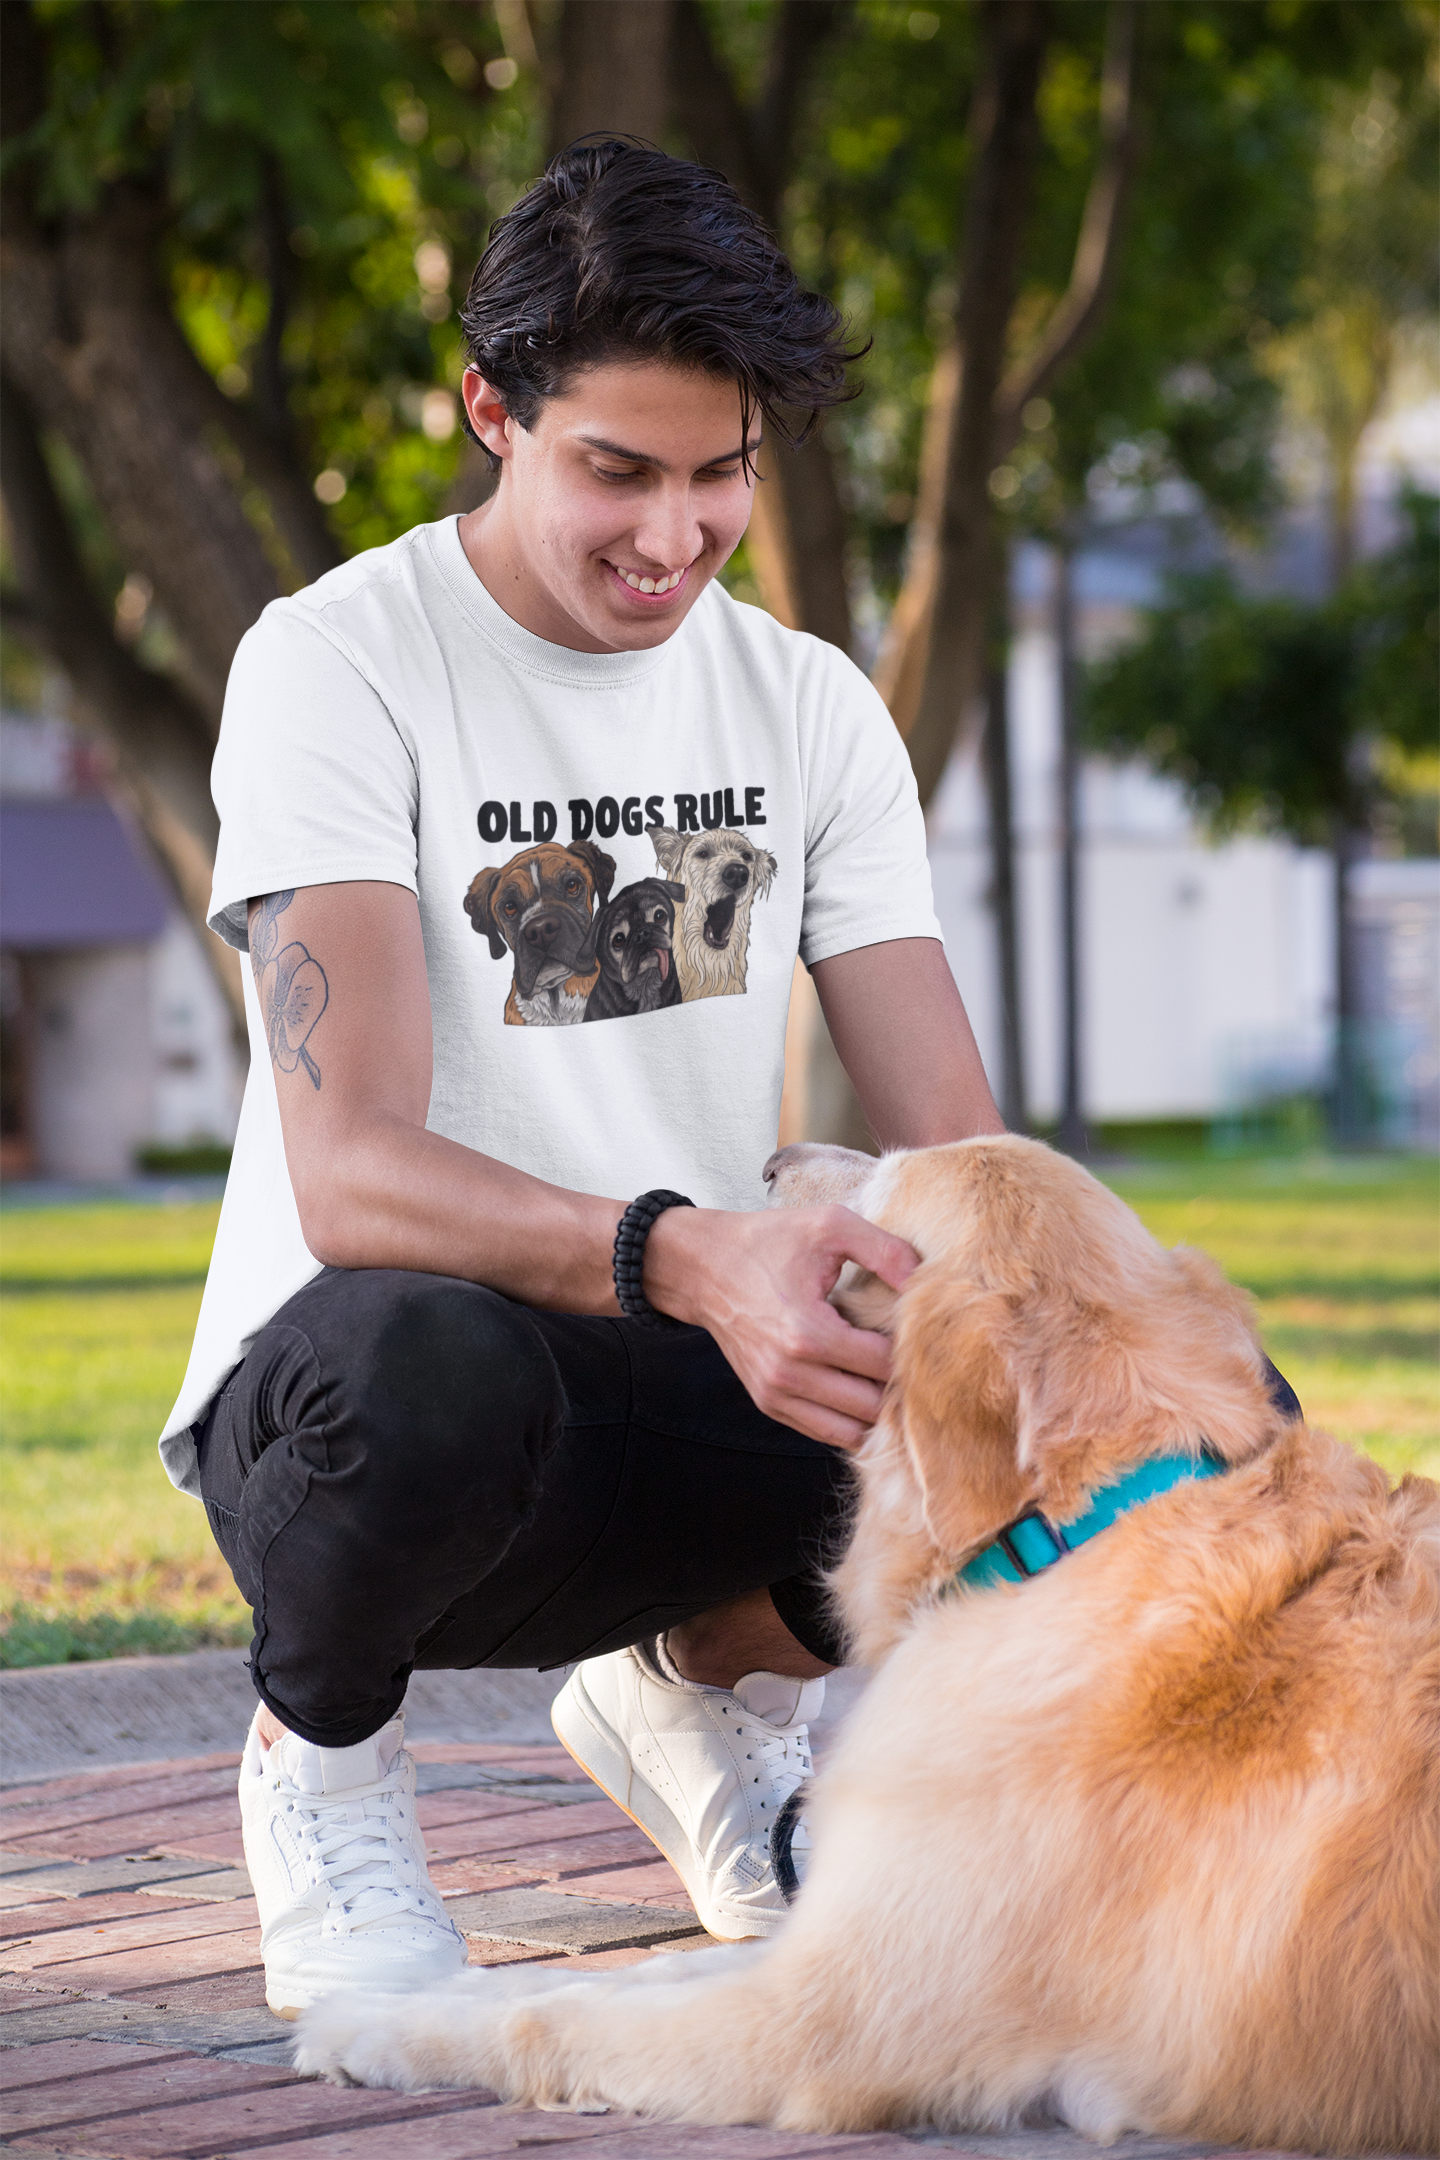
1005,136
995,751
904,669
1073,1135
797,539
89,340
798,527
161,742
614,71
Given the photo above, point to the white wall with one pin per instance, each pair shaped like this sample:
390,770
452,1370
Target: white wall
199,1078
91,1075
1192,956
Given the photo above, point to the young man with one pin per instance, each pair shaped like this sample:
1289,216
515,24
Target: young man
454,1401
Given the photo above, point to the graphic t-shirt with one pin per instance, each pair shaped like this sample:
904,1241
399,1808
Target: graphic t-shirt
616,856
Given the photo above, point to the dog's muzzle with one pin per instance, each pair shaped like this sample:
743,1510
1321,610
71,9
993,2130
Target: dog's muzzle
550,936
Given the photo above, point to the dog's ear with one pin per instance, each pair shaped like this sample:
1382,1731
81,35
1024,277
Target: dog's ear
669,847
478,907
602,868
955,1407
765,868
676,892
588,952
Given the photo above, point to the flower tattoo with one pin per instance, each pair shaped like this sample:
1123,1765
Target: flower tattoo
292,986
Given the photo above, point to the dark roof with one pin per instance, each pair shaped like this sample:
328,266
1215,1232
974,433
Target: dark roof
71,875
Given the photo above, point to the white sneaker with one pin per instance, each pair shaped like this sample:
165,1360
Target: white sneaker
702,1771
337,1865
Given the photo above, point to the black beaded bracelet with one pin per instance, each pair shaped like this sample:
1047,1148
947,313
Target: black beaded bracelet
634,1227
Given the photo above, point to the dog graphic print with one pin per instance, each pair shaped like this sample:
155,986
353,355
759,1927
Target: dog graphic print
669,937
723,873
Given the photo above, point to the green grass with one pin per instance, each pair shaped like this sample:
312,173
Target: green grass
101,1557
1344,1260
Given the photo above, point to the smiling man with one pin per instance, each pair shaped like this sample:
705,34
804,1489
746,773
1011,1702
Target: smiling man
500,1361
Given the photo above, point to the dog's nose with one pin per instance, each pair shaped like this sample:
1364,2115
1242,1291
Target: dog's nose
736,876
540,931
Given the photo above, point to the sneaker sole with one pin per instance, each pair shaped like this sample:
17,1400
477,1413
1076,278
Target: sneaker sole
589,1741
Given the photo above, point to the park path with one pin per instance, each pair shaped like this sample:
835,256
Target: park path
132,2014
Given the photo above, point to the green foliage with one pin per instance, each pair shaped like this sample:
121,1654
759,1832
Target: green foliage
337,164
1268,710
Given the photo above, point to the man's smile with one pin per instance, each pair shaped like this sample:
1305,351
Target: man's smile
640,585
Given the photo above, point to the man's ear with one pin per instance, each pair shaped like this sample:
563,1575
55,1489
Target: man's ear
669,847
602,868
588,951
956,1403
765,868
478,907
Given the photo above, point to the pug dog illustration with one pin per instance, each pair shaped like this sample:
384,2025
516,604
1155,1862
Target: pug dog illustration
632,940
538,908
723,873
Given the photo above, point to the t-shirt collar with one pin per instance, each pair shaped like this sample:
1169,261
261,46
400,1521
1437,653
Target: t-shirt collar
521,647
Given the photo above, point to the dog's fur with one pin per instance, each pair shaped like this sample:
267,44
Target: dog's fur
537,907
632,940
722,872
1147,1843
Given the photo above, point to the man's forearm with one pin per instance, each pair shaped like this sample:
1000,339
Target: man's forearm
395,1195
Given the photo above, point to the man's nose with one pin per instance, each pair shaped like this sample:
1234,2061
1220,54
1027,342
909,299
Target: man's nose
669,533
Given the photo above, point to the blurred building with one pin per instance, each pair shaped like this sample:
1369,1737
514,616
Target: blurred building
1207,972
114,1036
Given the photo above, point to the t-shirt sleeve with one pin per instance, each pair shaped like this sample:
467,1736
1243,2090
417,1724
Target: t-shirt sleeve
312,778
867,877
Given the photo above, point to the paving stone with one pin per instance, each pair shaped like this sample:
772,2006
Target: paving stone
78,1879
60,2060
19,1791
548,1920
61,1915
30,1815
216,1886
129,2079
221,2107
653,1883
225,2033
474,2133
452,1878
143,1932
532,1786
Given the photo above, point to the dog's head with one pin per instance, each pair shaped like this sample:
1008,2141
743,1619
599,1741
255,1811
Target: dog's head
539,907
722,872
1045,1345
633,935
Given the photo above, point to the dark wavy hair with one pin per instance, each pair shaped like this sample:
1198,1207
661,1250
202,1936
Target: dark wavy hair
620,252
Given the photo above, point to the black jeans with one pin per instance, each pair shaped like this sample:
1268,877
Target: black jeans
409,1470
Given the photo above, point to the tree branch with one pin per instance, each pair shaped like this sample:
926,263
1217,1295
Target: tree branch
1080,311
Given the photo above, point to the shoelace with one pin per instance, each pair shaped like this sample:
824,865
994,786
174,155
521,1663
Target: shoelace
357,1845
786,1756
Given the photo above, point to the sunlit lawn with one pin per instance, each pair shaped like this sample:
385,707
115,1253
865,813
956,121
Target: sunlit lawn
101,1556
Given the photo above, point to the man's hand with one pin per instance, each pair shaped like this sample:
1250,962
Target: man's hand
759,1283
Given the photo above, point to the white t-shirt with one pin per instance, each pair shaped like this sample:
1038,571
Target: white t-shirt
648,838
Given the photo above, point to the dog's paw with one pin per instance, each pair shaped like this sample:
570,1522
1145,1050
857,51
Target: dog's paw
354,2039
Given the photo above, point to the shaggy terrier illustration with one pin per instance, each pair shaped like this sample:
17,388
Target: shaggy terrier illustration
722,872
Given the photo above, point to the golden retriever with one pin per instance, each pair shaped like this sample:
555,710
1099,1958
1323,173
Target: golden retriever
1147,1842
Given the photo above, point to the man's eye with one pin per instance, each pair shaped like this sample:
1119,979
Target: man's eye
603,472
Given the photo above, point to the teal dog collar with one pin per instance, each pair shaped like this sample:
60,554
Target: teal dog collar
1033,1543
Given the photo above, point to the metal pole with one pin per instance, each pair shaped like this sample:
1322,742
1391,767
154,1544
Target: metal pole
998,791
1073,1135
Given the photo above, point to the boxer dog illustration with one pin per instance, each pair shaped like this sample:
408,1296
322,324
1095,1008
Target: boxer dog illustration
538,909
722,873
632,937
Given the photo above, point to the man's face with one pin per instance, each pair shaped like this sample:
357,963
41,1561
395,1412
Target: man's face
632,478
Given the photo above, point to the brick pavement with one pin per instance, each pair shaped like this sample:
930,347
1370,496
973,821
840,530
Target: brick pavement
132,2017
132,2014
